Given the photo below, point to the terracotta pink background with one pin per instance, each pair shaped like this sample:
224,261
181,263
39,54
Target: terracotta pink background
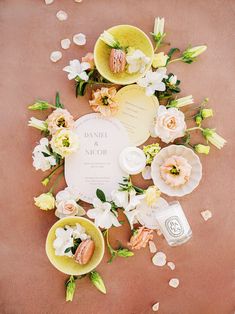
205,265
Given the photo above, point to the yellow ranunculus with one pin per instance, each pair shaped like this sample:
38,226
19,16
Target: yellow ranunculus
45,201
152,194
159,60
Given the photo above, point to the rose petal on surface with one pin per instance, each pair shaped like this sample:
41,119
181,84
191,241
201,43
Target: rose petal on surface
171,265
61,15
155,307
206,214
49,1
78,1
79,39
174,283
159,259
152,247
65,43
55,56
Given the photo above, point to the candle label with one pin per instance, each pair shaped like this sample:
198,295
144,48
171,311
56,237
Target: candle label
174,226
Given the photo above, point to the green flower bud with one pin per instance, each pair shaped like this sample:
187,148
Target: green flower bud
150,152
70,288
190,54
198,119
214,138
206,113
97,281
202,149
124,253
40,105
45,181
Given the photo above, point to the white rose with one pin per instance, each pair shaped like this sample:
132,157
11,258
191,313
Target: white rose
170,124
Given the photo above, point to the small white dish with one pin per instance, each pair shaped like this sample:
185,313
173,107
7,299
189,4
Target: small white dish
132,160
193,160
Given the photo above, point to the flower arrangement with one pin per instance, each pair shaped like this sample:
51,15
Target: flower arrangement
170,126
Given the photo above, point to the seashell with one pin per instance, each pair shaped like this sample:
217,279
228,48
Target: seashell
79,39
65,43
192,159
61,15
117,60
55,56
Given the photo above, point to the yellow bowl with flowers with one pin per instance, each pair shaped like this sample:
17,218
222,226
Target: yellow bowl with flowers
133,45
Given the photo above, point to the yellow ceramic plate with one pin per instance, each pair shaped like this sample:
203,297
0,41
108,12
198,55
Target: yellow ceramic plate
66,264
136,112
128,36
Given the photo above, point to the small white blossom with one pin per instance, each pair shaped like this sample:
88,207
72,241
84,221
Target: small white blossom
38,124
42,158
153,81
159,26
173,79
77,68
102,214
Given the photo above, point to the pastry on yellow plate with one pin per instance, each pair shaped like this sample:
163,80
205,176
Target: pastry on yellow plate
74,245
125,43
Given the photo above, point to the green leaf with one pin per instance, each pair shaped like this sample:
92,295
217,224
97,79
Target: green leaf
57,101
171,52
81,88
101,196
97,281
68,249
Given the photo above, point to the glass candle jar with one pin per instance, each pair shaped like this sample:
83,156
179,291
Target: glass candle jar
174,224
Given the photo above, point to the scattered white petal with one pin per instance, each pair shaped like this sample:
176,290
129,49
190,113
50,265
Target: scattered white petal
49,1
171,265
159,233
159,259
65,43
146,173
78,1
174,282
206,214
55,56
152,247
79,39
155,307
61,15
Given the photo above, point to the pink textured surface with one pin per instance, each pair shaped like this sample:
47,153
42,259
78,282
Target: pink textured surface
205,265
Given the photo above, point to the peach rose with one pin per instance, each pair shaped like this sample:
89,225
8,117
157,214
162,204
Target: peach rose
103,101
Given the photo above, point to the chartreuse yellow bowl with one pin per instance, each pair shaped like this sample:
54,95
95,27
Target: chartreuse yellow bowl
128,36
66,264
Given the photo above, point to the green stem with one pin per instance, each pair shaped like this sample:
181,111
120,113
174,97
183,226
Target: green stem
194,128
54,170
174,60
55,183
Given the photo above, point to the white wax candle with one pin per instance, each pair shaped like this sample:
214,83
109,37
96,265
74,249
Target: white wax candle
132,160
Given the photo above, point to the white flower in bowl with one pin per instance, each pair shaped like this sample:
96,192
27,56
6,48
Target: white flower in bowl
169,124
64,240
136,60
102,214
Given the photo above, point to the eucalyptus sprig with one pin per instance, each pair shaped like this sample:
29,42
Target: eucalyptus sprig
121,251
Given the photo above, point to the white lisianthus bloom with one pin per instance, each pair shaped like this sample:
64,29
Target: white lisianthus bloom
63,241
77,68
42,158
173,79
160,60
45,201
66,204
169,124
102,214
153,81
38,124
159,26
181,102
109,40
136,60
214,138
64,142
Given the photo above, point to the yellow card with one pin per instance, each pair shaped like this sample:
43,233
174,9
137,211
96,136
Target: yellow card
136,112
